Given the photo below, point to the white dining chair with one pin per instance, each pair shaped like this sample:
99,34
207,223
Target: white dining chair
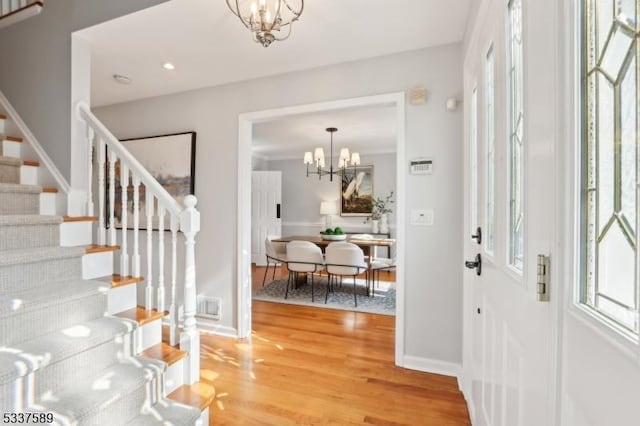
379,264
303,257
344,259
276,252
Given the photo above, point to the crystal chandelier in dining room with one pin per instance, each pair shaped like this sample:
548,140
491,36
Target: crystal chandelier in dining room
316,159
268,20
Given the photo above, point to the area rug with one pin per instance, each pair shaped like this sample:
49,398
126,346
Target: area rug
383,302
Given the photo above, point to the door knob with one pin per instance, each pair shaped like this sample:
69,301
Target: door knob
478,235
475,264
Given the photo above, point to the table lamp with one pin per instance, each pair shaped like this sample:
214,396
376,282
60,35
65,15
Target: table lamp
328,208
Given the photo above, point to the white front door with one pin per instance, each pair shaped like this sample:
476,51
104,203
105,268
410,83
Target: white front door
509,359
266,204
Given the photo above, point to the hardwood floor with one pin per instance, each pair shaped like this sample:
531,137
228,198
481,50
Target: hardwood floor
311,366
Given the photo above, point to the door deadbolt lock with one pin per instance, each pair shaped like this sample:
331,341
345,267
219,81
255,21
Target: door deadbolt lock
478,235
475,264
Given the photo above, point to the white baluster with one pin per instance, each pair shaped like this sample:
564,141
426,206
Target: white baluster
190,338
173,308
102,232
124,187
90,136
112,197
135,257
148,293
161,212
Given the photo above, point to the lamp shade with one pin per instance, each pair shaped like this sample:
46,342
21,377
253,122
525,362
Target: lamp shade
319,155
308,157
328,207
355,159
344,157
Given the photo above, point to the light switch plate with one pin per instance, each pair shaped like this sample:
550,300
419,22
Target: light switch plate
422,217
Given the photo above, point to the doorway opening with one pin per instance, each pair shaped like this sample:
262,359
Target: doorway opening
247,123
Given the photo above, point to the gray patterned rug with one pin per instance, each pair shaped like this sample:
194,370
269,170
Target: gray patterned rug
383,302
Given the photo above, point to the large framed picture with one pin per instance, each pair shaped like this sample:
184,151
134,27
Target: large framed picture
171,160
356,191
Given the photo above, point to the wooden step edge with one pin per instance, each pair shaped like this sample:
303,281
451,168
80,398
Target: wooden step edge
80,218
164,352
116,280
49,190
31,163
35,4
198,395
140,315
3,117
13,139
100,249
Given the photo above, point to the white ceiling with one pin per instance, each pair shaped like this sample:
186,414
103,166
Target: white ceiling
209,46
368,130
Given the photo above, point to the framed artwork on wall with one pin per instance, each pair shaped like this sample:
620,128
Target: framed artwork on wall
356,191
171,161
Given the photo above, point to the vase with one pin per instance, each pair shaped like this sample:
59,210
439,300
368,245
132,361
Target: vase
384,224
374,226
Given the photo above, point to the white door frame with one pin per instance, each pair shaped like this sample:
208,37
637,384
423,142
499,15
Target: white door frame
243,252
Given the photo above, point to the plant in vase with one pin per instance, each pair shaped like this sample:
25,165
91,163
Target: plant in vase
378,217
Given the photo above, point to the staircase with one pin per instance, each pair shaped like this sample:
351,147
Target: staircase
74,340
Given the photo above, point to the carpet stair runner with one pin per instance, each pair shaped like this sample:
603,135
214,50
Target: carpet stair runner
59,351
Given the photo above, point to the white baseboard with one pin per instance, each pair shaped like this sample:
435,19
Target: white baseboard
433,366
209,326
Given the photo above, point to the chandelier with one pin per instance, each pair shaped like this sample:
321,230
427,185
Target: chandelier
317,160
264,17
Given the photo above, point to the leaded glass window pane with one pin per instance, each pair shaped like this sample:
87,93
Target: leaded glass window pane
516,136
489,140
610,179
474,159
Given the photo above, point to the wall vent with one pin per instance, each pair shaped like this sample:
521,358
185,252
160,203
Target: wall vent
209,307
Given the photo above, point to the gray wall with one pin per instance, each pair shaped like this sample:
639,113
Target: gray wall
35,74
434,254
301,197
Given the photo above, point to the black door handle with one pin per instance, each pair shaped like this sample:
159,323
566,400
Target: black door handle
475,264
278,211
478,235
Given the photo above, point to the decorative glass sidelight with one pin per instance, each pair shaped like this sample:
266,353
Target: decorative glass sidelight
489,181
516,135
610,160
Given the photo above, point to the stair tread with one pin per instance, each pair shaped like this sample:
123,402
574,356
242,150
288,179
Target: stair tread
198,395
3,117
141,315
13,138
91,395
19,188
100,249
164,352
48,294
10,161
57,346
167,413
29,219
49,190
31,163
33,255
80,218
116,280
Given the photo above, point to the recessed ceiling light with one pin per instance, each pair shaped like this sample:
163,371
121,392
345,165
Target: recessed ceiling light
122,79
168,66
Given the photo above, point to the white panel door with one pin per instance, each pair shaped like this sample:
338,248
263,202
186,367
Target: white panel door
509,359
266,204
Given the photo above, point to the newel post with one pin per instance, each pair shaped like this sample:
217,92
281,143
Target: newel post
190,338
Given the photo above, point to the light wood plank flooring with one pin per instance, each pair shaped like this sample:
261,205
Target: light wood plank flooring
313,366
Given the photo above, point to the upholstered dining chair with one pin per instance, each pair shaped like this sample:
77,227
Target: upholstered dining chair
379,264
303,257
276,252
344,259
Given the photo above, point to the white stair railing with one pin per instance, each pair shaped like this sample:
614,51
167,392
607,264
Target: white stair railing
185,219
8,7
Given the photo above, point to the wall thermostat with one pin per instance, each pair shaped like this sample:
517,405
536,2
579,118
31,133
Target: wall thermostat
421,166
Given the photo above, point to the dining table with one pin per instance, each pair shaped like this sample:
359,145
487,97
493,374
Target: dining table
368,245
